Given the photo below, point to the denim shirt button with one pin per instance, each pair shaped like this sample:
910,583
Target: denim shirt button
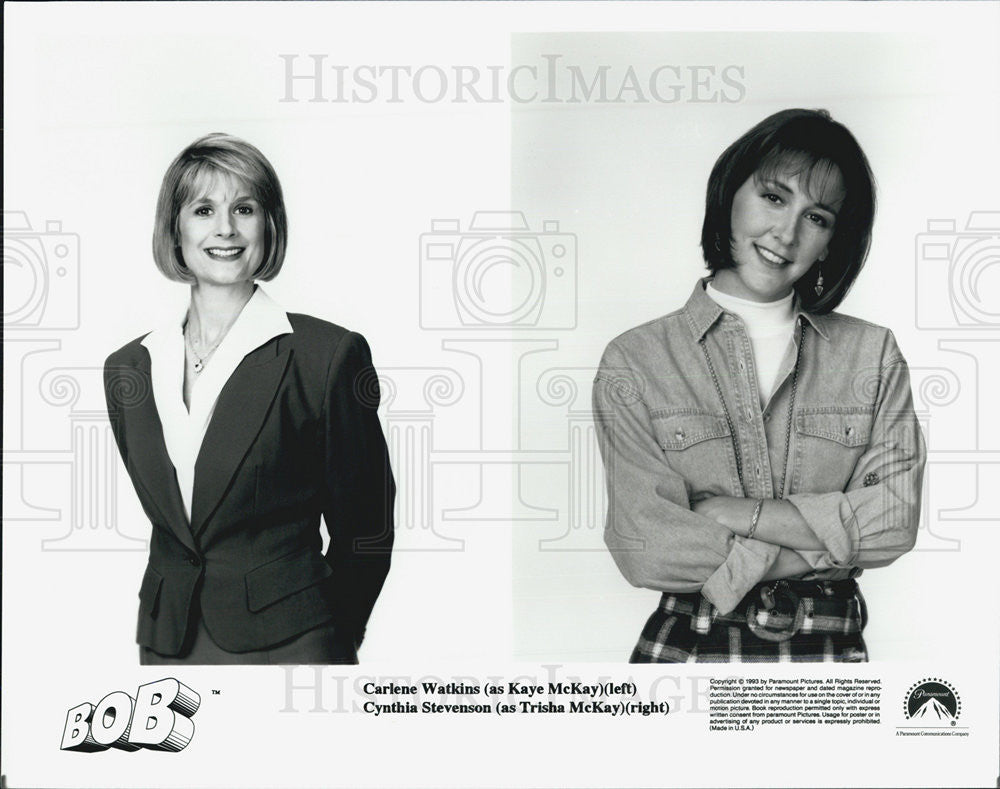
679,435
848,430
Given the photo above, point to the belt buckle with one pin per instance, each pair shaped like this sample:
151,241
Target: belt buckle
778,598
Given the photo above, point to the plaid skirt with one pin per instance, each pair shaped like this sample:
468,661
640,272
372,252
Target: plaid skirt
777,622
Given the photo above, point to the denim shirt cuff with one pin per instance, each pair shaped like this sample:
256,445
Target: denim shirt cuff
747,564
832,520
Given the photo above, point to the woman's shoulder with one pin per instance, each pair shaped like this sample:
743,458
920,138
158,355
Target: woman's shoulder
856,336
129,355
323,340
843,319
653,337
841,323
650,328
310,329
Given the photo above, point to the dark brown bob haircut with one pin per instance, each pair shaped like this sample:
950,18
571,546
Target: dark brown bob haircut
805,143
212,155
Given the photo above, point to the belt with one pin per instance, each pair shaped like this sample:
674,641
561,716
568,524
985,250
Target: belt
778,610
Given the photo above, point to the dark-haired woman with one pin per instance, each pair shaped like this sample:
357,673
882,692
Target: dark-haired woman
240,425
760,449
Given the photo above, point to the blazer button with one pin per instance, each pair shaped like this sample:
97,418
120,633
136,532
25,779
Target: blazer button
193,560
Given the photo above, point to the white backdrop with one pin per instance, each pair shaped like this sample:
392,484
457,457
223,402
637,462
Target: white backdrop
628,179
491,577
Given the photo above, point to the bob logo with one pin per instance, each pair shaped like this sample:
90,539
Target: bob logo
158,718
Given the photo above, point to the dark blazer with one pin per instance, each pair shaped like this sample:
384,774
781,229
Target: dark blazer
294,434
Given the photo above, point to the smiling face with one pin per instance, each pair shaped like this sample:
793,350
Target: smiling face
222,232
782,223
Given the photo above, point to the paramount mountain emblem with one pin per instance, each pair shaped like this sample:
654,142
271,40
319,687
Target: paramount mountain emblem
933,702
933,709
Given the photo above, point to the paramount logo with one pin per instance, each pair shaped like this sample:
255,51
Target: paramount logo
934,710
932,702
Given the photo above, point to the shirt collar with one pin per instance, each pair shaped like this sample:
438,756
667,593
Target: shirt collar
703,312
261,320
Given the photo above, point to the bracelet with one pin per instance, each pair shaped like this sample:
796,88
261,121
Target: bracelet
755,518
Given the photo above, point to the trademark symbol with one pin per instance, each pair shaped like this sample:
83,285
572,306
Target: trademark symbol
216,692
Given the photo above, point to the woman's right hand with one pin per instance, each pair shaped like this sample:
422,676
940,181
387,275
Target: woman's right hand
789,564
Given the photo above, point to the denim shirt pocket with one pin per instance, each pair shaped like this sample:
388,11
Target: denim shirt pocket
698,446
829,441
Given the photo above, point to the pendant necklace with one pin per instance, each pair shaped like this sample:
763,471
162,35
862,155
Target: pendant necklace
199,360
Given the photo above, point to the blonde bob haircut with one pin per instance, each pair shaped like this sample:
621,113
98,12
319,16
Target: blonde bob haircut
212,155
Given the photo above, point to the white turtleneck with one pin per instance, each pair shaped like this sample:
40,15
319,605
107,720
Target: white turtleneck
769,325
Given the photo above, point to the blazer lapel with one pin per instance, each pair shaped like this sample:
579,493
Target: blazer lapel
147,452
239,414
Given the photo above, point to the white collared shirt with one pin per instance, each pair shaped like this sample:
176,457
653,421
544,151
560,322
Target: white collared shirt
260,321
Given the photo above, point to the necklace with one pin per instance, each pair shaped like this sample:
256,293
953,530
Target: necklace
788,421
199,361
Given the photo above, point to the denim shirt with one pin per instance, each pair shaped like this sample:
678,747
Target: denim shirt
855,454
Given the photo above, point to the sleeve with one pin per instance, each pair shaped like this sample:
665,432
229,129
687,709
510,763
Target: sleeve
655,539
359,486
874,520
113,399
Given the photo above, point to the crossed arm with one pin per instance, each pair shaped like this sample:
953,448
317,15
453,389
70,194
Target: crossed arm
663,541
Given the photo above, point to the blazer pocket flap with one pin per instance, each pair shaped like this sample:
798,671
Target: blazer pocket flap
149,591
682,430
277,579
850,428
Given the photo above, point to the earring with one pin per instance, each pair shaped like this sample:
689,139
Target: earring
819,283
718,243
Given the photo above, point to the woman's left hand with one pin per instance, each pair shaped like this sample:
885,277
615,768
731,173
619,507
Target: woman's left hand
732,512
779,521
